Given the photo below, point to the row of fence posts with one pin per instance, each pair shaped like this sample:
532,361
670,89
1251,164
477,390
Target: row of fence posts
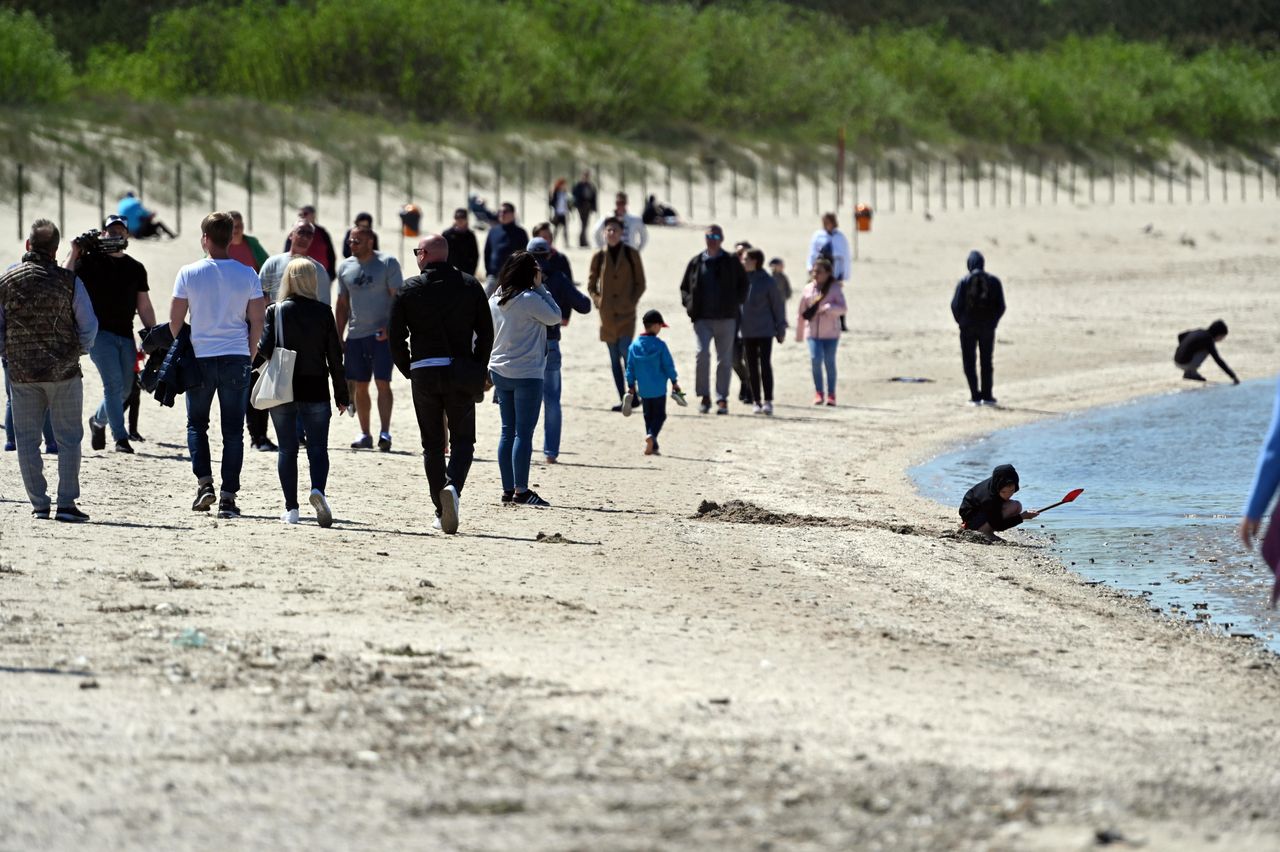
1052,180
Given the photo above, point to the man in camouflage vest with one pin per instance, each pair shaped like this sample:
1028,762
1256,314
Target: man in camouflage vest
46,323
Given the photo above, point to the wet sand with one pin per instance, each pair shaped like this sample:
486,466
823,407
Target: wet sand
656,678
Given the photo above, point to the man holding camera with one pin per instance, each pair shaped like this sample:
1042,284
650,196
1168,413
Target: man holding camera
117,287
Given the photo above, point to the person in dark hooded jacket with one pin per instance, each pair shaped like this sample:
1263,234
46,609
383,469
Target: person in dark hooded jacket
977,306
1196,345
989,507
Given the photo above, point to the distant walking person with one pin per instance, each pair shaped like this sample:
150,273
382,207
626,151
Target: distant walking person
713,289
615,284
298,321
368,283
224,299
764,319
830,242
561,287
504,240
522,309
821,307
559,201
584,201
1196,345
634,232
441,339
649,367
46,324
977,306
464,251
362,220
245,248
778,268
117,286
321,248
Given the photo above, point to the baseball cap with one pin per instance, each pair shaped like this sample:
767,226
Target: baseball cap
538,245
113,219
653,318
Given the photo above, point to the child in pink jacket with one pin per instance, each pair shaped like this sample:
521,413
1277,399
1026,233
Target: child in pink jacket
821,307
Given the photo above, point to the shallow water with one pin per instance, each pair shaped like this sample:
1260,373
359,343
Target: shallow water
1165,480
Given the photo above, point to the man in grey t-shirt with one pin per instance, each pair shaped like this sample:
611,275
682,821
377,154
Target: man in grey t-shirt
273,267
368,283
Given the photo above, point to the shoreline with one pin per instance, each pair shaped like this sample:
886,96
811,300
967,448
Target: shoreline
648,679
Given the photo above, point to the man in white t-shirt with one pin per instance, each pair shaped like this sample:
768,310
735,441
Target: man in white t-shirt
830,242
227,311
634,233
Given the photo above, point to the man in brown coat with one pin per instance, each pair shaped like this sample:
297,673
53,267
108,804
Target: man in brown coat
615,284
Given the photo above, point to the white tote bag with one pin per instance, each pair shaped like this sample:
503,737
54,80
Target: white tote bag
275,384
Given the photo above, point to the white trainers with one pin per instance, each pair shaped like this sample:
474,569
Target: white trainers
757,409
290,516
324,514
628,403
768,407
435,522
448,510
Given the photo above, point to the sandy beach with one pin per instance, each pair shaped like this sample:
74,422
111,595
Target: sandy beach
619,672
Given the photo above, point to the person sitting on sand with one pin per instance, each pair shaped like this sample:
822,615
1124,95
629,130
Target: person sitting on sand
142,222
1196,345
989,507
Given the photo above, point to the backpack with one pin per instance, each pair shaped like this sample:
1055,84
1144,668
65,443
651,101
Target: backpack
980,300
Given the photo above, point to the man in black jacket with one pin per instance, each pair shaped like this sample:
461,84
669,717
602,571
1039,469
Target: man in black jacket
433,323
464,251
505,239
584,200
713,290
977,306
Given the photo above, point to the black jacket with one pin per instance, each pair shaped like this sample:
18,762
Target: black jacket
720,298
464,251
309,330
967,314
436,315
180,371
1192,343
983,503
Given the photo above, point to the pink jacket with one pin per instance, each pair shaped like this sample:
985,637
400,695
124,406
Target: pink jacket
825,324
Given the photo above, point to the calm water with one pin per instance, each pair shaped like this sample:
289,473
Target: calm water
1165,479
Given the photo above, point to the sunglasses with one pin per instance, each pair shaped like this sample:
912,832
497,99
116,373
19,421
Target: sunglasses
419,252
716,237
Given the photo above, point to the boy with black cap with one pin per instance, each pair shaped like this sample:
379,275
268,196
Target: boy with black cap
1196,345
649,365
989,507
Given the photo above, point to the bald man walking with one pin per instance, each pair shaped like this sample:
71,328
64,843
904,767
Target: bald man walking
434,322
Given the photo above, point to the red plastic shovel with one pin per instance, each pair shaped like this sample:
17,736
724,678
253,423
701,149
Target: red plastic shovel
1071,496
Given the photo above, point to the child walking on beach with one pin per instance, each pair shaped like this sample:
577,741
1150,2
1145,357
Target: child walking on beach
989,507
649,366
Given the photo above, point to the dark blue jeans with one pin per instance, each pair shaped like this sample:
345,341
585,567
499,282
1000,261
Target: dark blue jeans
314,418
552,415
618,361
655,414
228,377
519,401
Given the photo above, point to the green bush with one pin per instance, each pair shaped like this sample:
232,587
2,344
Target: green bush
32,69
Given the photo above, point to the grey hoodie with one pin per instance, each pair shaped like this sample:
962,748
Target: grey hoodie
520,333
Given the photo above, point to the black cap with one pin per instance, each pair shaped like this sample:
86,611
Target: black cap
653,318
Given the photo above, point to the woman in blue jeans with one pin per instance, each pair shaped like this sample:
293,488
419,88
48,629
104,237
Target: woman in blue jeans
522,309
298,321
821,307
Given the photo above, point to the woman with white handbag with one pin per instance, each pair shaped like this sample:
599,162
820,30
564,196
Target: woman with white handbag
302,355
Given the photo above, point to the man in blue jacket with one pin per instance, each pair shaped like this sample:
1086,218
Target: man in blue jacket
569,298
504,238
977,306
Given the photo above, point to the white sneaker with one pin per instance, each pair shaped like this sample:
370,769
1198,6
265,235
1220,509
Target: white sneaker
290,516
324,512
768,407
448,518
757,409
435,522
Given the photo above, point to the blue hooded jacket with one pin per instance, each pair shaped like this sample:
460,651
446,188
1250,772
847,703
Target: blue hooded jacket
649,365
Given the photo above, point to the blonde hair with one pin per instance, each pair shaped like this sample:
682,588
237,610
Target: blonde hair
299,279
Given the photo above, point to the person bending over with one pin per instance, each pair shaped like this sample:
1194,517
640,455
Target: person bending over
1197,344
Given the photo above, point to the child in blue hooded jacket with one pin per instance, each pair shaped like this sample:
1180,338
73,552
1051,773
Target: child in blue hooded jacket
649,366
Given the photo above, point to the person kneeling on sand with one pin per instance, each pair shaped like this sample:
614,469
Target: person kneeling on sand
989,507
649,365
1196,345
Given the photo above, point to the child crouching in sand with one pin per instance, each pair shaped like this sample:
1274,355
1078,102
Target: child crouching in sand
649,365
989,507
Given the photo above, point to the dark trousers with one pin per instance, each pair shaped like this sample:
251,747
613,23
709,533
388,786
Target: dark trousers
740,370
257,421
973,341
655,414
226,376
759,352
586,221
445,413
133,403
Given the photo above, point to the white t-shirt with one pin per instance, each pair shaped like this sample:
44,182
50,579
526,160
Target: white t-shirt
218,293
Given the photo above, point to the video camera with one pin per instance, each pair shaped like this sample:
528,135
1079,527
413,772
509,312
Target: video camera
100,242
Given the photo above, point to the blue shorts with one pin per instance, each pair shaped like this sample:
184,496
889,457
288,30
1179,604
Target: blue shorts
368,358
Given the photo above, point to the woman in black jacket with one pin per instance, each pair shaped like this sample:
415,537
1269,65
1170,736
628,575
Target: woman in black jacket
305,326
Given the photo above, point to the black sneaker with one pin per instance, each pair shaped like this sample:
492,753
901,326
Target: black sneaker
384,443
705,405
528,498
97,435
617,407
364,443
135,436
264,445
508,497
122,446
70,514
204,498
722,407
227,508
39,514
1192,376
